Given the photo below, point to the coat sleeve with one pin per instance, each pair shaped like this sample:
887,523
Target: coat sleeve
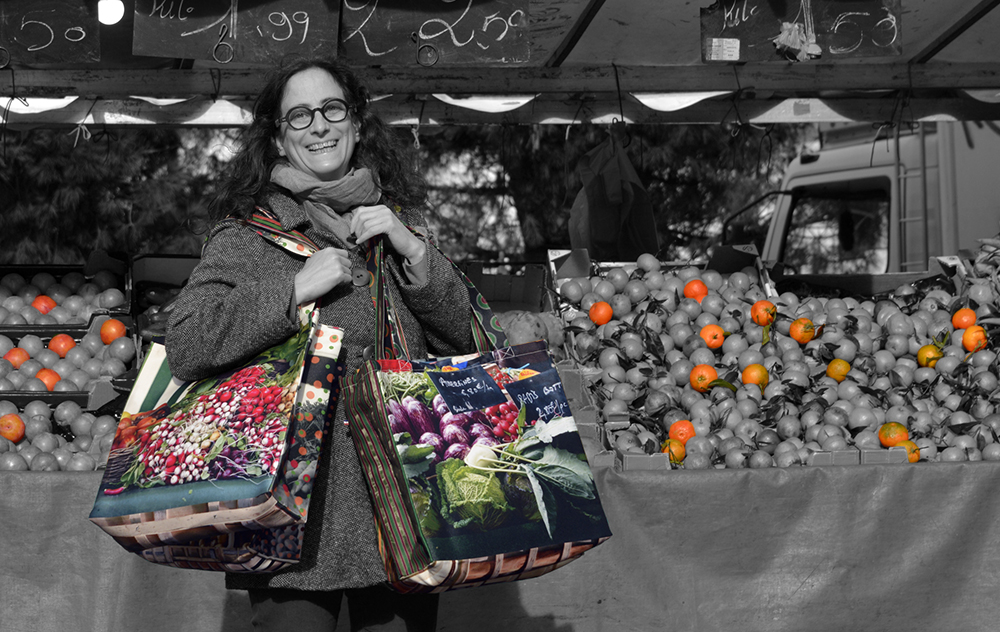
235,305
442,304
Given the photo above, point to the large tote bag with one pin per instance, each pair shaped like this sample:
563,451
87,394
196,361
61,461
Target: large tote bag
216,474
475,466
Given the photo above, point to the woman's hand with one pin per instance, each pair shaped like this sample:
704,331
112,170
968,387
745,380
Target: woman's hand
323,271
369,221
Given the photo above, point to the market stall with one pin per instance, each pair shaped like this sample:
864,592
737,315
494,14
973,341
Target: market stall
828,533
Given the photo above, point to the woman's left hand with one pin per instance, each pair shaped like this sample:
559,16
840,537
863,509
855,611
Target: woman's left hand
369,221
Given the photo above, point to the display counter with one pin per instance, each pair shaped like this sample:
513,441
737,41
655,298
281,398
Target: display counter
869,547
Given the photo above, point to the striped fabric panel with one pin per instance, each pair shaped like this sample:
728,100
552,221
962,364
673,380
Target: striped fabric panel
379,460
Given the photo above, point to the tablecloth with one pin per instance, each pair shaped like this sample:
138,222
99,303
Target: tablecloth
869,547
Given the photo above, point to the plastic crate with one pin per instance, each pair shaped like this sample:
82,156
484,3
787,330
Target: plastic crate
101,391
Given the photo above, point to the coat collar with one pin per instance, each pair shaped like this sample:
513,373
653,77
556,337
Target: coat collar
290,213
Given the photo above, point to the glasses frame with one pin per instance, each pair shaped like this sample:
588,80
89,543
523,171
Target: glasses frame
312,114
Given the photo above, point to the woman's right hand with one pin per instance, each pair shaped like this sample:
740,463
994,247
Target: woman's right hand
325,270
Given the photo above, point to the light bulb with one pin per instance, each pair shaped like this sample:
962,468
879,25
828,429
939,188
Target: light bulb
110,11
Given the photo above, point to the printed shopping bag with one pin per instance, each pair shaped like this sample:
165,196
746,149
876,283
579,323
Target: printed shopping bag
475,466
217,474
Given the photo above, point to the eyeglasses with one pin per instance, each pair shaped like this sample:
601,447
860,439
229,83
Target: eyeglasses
298,118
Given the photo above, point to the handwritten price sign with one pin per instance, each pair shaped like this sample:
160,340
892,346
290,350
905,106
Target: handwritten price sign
226,31
48,31
754,30
440,32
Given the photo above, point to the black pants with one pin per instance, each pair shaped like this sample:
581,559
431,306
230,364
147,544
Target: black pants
318,611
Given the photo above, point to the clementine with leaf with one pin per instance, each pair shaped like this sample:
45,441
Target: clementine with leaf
713,335
755,374
802,330
675,449
702,377
974,338
600,312
682,430
892,433
928,355
838,369
912,450
696,289
763,312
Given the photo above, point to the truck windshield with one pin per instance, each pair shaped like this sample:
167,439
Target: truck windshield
838,232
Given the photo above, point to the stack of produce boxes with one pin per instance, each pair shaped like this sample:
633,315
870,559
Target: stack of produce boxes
67,351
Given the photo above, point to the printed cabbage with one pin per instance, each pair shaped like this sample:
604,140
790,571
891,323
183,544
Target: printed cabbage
471,498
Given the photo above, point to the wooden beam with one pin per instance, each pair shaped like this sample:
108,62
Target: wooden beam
800,78
566,109
952,31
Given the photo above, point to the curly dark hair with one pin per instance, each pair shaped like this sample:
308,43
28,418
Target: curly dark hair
378,148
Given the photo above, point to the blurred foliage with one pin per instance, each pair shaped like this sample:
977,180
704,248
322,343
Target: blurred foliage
497,192
515,185
128,192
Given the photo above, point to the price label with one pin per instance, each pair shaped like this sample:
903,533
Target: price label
541,396
467,389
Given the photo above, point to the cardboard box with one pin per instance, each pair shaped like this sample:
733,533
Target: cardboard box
523,289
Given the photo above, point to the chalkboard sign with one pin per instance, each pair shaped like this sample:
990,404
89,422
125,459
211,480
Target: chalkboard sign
467,389
45,31
435,32
541,395
762,30
251,31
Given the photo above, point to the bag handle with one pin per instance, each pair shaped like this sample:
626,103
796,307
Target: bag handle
267,225
486,331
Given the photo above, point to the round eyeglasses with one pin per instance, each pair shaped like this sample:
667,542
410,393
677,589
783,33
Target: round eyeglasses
298,118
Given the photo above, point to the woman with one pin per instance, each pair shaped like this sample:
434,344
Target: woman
322,162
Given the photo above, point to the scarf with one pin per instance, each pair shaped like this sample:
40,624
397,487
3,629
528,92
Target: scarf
329,204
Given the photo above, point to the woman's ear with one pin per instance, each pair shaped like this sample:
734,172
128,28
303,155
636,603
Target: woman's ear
277,145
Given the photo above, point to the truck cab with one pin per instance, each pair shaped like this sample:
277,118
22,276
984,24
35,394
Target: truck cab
886,203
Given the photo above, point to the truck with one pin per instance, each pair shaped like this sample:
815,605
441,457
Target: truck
880,201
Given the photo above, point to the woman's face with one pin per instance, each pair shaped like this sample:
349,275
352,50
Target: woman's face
323,149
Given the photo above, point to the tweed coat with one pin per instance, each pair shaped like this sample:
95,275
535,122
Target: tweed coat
237,303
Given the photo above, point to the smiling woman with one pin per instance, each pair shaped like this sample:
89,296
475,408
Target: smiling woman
317,161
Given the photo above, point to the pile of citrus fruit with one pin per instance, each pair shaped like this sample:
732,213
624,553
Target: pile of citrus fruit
719,371
69,300
44,438
63,363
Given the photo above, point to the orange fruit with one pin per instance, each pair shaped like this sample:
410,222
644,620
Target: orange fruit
12,427
713,335
675,449
702,377
682,430
762,312
892,433
802,330
838,369
17,356
112,329
928,355
963,318
600,312
696,289
43,303
49,377
61,343
755,374
912,450
974,338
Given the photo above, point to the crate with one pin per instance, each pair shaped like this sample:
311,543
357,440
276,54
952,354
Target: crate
98,261
523,289
101,392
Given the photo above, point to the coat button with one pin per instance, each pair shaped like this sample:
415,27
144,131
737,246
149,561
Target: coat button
361,277
368,353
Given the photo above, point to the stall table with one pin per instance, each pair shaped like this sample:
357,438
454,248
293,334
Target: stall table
870,547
